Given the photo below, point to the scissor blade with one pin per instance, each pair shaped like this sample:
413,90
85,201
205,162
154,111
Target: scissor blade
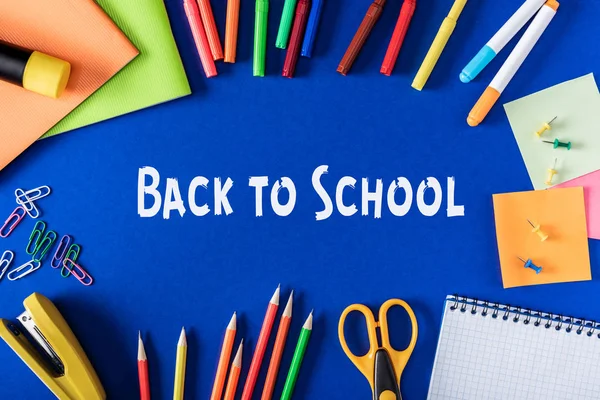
386,386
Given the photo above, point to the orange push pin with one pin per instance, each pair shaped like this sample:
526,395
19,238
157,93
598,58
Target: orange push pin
551,172
536,229
546,127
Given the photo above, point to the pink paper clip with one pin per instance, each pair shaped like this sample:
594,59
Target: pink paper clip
12,221
59,255
85,278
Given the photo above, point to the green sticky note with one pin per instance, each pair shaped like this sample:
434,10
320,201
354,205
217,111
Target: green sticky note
155,76
576,106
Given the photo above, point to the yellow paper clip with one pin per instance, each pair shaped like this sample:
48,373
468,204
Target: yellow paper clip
60,362
536,229
551,172
546,127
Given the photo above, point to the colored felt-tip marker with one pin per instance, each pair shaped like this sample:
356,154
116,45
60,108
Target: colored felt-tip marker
231,30
360,37
298,29
391,55
210,26
193,15
260,37
312,27
500,39
285,25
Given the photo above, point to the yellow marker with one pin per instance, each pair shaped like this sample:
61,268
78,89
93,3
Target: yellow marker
180,367
438,44
546,127
536,229
551,172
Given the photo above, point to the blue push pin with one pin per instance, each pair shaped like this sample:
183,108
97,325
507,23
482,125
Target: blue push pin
531,265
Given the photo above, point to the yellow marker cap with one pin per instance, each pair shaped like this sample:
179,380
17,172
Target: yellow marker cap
46,75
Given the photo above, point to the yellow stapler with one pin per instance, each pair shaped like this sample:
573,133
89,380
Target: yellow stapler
53,354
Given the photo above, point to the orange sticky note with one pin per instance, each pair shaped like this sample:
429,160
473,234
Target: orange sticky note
564,256
75,31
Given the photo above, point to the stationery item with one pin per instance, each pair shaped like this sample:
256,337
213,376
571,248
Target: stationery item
73,255
551,172
208,20
44,246
234,375
298,29
489,350
5,261
27,268
546,127
391,55
58,28
261,346
180,365
260,37
439,42
285,25
557,143
78,272
500,39
591,194
538,231
361,35
278,347
382,365
202,46
12,221
231,30
577,103
143,370
57,357
155,76
565,258
312,27
61,251
226,350
529,264
512,63
32,70
35,237
27,199
292,377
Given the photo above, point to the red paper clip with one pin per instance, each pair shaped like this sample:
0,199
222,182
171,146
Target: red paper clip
85,278
12,221
406,14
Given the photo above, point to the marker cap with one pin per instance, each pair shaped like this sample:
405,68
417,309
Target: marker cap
46,75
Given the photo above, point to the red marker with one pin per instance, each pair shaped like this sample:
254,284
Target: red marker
193,15
296,38
406,14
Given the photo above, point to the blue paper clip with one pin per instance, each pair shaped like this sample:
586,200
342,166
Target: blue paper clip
5,262
72,255
44,246
59,256
31,267
36,234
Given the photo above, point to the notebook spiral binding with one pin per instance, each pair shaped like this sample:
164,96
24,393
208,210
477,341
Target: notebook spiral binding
524,315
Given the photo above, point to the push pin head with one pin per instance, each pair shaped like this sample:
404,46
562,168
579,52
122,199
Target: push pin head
546,127
536,229
557,143
551,172
529,264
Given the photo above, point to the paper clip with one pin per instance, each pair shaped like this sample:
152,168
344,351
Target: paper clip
32,267
37,234
27,198
85,278
5,261
12,221
72,255
59,256
45,245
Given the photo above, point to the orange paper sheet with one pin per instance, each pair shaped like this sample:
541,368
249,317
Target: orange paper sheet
77,31
564,256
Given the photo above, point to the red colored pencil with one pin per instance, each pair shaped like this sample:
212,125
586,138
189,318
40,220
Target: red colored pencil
210,26
391,55
143,370
296,38
261,346
193,15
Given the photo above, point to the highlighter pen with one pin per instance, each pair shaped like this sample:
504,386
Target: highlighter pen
513,63
285,25
361,36
298,29
210,27
193,15
33,70
500,39
260,37
391,55
435,51
311,28
231,30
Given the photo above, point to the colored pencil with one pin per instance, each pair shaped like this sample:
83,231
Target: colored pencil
261,346
180,363
143,370
231,30
285,25
226,350
298,30
210,27
260,37
282,333
292,376
234,375
193,15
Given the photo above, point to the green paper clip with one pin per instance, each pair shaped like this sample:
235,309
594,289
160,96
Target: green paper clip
72,255
37,233
44,246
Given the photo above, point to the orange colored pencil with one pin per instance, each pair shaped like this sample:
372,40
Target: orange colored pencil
234,375
282,333
210,27
224,360
143,370
231,30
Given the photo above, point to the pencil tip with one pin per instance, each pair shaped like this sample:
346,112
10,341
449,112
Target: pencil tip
182,338
232,323
275,298
237,361
309,321
287,312
141,350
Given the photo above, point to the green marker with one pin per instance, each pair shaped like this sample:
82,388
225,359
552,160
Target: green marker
292,376
260,36
285,25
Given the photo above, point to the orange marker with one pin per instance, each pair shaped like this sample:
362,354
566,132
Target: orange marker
211,29
234,375
224,360
231,30
282,333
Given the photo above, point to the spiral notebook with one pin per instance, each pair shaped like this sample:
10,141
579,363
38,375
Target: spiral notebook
492,351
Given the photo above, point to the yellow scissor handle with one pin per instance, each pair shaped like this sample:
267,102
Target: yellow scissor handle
366,363
399,357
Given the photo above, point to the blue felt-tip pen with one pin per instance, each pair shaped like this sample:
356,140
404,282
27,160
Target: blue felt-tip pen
311,28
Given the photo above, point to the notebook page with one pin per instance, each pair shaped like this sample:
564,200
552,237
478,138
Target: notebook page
480,357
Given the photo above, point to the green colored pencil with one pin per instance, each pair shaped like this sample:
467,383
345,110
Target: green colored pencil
292,376
285,25
260,36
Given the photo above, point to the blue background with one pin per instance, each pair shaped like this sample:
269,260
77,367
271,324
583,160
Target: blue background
157,275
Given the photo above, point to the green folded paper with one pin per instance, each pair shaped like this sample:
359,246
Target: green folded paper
153,77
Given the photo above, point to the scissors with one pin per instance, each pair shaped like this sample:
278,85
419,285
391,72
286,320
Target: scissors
382,365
